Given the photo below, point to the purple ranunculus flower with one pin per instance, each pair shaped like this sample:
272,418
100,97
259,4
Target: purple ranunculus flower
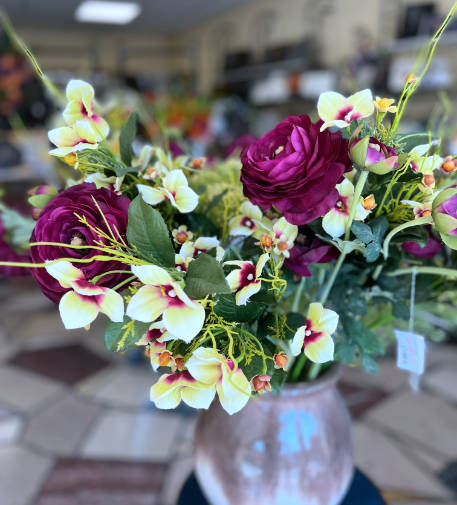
57,223
429,251
295,168
309,249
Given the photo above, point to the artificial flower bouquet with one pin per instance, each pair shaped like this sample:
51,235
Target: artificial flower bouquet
234,288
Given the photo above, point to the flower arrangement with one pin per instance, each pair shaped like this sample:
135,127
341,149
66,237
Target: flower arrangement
235,288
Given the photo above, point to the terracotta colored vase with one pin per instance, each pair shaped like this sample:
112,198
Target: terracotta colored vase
291,449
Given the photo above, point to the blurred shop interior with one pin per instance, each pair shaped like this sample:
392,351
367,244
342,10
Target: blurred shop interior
212,72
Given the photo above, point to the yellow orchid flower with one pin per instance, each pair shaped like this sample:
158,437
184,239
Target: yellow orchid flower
245,279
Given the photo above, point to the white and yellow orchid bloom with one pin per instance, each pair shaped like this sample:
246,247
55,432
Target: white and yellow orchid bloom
170,389
337,110
182,262
182,317
207,366
245,280
80,106
71,139
246,222
156,347
284,237
175,189
314,338
425,165
420,209
79,307
182,234
334,222
201,245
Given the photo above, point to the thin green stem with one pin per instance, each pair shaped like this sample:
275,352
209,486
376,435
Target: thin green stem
98,277
298,295
314,371
331,279
21,45
124,282
357,193
409,224
446,272
297,368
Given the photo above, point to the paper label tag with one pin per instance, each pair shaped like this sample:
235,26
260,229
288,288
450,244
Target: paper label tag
410,352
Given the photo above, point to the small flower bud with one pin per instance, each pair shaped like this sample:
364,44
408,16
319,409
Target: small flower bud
282,246
369,202
428,180
281,360
448,166
179,362
261,383
198,163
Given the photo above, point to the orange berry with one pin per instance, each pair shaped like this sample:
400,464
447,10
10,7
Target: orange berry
280,359
426,212
164,358
261,382
428,180
266,241
448,166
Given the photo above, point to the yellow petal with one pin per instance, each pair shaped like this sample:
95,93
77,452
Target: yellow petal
245,293
152,274
205,365
362,102
150,195
76,88
64,136
234,391
329,104
184,322
113,305
147,304
64,272
296,345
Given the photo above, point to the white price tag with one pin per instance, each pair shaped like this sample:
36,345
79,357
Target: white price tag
410,352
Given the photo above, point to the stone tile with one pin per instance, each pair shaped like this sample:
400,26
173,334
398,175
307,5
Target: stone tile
359,399
177,474
68,363
23,390
60,428
10,428
443,382
381,459
427,420
145,436
22,474
121,386
80,481
389,378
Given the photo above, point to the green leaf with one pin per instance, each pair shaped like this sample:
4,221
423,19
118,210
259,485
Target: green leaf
362,231
200,224
345,351
204,277
216,200
372,251
264,296
249,248
101,160
418,234
126,138
148,232
369,364
114,334
379,226
227,308
400,309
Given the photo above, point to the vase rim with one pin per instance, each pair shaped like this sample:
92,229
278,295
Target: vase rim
326,381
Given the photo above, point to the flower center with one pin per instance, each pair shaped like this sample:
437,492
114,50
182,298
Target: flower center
171,293
282,246
78,239
248,223
250,277
181,237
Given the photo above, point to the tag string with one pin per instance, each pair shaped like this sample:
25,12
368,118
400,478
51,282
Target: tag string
412,300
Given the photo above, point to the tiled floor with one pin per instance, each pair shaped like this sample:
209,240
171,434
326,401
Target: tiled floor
77,428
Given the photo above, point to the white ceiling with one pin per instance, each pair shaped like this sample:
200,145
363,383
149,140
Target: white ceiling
157,16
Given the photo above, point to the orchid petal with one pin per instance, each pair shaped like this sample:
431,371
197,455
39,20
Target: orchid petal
76,88
334,223
205,365
362,102
152,274
320,350
234,278
261,263
147,304
198,396
77,311
165,396
245,293
113,306
296,345
184,322
152,196
186,199
329,105
64,136
234,391
64,272
86,132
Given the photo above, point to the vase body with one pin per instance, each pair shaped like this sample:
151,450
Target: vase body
294,448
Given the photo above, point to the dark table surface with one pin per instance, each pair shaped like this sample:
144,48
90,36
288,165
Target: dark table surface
361,492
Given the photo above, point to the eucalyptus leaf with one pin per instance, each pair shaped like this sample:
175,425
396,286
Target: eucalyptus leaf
362,231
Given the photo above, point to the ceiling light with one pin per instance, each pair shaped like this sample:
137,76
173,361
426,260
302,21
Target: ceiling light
118,13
